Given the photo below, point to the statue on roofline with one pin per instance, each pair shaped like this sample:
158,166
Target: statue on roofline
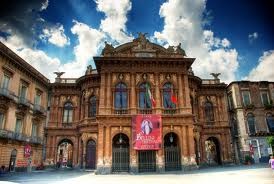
108,49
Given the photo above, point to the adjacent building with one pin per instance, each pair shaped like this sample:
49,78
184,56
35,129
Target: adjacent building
23,102
252,118
141,110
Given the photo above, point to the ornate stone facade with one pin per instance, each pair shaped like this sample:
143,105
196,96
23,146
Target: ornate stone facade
23,102
252,118
84,111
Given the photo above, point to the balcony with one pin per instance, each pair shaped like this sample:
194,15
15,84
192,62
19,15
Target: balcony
23,101
20,137
170,111
36,140
144,111
39,109
120,111
6,93
6,134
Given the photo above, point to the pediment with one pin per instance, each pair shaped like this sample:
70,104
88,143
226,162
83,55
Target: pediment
142,47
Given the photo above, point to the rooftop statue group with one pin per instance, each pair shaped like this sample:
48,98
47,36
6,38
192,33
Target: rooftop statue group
144,44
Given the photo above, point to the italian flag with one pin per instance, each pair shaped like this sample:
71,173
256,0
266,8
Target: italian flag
149,95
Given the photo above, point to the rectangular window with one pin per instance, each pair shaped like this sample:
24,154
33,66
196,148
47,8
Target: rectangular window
230,102
37,100
2,119
23,91
18,126
246,98
34,130
264,98
5,82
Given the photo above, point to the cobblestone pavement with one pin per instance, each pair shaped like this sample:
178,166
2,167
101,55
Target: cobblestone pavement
256,174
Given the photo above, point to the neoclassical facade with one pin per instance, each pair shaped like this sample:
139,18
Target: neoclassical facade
252,118
23,104
91,119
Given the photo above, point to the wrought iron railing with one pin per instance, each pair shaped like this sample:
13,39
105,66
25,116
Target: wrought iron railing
20,137
39,108
7,93
36,140
170,111
120,111
23,101
6,134
144,111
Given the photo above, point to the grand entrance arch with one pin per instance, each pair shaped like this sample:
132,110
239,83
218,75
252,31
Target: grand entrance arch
91,154
65,154
12,160
120,153
172,152
212,148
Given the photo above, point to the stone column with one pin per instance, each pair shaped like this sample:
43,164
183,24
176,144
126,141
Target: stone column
100,162
157,94
84,153
160,161
133,94
191,145
102,94
180,94
107,148
187,104
184,145
108,96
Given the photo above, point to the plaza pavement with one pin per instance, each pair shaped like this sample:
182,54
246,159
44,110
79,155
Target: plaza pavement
255,174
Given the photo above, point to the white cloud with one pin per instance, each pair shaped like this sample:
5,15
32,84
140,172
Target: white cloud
252,37
183,22
37,58
55,35
114,23
44,5
89,40
264,70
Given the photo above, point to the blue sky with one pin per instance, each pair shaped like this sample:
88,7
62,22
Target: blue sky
232,37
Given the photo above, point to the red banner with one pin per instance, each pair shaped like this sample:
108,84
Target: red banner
147,132
27,151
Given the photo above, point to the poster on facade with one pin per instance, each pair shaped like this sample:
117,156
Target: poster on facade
27,151
146,132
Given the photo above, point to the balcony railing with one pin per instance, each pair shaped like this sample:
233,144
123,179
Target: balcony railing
120,111
39,108
23,101
36,140
6,134
170,111
20,137
7,93
144,111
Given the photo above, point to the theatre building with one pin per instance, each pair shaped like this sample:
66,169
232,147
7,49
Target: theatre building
141,110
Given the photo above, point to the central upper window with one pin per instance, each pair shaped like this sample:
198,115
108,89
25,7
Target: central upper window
169,99
120,96
145,97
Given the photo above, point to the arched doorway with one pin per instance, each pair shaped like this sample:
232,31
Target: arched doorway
65,154
172,152
12,160
120,153
212,148
91,154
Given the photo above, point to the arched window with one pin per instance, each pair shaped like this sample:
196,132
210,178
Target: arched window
92,106
270,122
209,112
169,99
251,123
144,96
120,96
68,111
